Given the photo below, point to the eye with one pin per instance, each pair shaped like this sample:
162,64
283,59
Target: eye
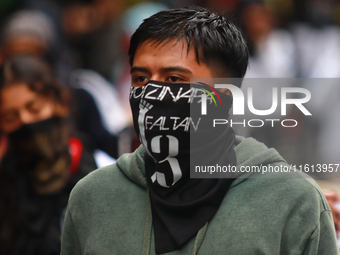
174,79
141,78
36,106
140,81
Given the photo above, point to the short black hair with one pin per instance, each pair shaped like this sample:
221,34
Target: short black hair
216,40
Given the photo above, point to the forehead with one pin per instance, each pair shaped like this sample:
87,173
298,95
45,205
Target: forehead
167,48
16,94
171,52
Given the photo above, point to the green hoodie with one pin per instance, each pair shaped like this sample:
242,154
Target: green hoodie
109,212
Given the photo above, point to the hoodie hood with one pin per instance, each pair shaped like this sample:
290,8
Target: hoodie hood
249,152
132,165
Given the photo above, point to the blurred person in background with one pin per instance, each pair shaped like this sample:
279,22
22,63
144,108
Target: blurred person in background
43,159
317,38
272,55
33,32
272,50
27,31
92,29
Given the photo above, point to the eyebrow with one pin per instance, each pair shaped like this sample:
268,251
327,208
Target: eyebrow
176,69
139,69
163,70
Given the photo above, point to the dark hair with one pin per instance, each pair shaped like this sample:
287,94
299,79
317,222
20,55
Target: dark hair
215,39
37,74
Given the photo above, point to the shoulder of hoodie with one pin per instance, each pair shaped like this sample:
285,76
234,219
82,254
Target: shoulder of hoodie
296,185
126,173
129,172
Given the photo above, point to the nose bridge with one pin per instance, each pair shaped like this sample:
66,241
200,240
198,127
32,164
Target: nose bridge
156,77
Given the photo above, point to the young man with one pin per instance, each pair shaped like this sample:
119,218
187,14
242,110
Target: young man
148,204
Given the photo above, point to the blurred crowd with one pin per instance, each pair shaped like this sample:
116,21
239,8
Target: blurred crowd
73,55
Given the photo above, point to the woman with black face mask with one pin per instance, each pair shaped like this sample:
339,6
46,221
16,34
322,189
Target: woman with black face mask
42,162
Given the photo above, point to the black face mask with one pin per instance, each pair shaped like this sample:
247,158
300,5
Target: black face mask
168,120
39,152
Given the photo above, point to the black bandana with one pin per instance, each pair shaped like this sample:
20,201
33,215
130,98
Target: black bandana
39,151
168,120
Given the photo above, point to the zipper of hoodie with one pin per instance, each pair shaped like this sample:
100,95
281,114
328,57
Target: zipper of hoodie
148,231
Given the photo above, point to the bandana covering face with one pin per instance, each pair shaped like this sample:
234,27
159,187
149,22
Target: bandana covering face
168,120
40,151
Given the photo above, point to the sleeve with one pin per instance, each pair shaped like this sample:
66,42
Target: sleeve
323,240
70,244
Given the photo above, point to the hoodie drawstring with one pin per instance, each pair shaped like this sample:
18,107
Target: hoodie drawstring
147,227
199,238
